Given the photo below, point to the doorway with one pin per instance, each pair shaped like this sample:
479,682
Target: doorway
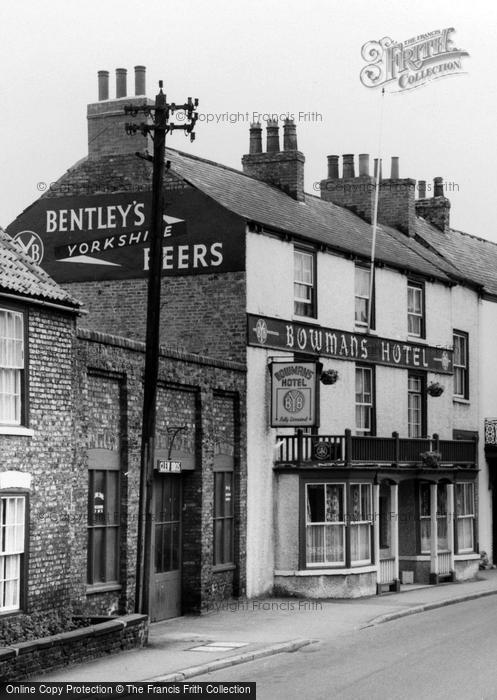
165,599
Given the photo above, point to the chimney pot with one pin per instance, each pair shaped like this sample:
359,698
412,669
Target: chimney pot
363,164
103,85
422,189
333,167
289,135
348,165
394,170
121,90
438,187
140,80
273,138
378,177
255,138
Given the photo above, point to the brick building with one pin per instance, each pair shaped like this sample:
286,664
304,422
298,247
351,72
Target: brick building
380,480
37,450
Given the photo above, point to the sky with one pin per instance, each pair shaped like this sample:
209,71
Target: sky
247,58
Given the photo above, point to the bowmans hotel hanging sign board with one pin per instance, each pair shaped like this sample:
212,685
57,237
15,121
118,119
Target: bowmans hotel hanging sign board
294,388
106,236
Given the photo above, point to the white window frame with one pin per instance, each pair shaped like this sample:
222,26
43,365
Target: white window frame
359,270
469,515
410,409
363,404
309,301
366,520
12,550
12,362
412,312
326,524
461,370
442,522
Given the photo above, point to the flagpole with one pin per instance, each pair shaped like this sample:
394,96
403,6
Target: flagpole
375,214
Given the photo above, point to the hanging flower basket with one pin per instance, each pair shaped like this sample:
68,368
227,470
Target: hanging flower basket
435,389
329,376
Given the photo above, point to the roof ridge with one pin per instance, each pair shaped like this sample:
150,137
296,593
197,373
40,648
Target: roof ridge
471,235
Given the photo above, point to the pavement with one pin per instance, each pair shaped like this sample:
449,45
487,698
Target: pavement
240,631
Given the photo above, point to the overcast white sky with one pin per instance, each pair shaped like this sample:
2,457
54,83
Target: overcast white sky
258,56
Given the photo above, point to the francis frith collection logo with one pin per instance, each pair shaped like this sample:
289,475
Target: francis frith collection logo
404,65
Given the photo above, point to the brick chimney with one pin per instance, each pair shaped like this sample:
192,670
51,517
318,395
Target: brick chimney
106,118
284,169
349,191
396,201
395,198
436,209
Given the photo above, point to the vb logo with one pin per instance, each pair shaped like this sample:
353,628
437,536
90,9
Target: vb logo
31,244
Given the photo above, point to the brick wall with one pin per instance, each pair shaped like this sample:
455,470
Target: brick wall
49,457
188,394
202,314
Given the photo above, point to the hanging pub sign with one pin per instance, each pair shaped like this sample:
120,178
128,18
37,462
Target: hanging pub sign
277,334
294,394
106,236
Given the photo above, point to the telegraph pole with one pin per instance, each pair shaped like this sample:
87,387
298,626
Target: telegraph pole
160,126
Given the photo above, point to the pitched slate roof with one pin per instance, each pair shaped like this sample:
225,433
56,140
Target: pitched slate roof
20,275
315,220
476,256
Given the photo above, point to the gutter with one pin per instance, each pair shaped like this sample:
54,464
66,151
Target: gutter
41,302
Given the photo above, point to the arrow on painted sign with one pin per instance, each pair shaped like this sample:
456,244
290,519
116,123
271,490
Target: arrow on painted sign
86,251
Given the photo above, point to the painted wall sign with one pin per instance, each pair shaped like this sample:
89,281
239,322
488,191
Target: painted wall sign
293,394
106,236
326,342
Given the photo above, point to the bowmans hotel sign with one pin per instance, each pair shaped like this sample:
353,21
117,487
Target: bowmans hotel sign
314,340
106,236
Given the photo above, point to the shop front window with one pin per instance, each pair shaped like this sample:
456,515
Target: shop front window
335,535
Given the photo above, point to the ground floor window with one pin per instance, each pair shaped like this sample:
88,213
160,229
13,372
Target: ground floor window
425,517
223,518
103,526
12,534
338,524
465,516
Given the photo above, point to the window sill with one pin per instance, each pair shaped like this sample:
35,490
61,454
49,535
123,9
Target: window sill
217,568
459,399
330,571
16,430
103,588
416,339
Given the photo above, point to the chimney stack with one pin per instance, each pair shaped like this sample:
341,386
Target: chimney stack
140,80
348,165
436,210
354,193
364,165
106,118
289,135
394,170
396,200
283,169
273,137
103,85
333,168
438,187
255,138
121,89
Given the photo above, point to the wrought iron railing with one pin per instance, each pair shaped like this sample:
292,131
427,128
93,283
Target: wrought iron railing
348,449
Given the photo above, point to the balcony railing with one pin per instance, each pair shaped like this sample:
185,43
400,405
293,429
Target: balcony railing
349,449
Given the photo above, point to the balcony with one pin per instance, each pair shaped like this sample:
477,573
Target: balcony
351,449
